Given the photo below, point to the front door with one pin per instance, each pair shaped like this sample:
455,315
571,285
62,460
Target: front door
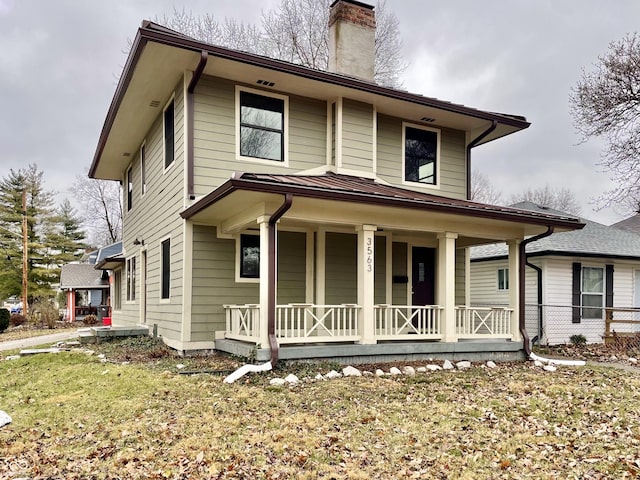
423,276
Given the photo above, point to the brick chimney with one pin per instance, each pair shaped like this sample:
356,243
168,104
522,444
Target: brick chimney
352,29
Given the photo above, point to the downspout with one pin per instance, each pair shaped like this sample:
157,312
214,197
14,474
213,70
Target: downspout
204,55
522,262
472,144
271,297
539,297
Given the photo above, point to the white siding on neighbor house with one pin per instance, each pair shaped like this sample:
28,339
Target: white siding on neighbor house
357,136
215,135
153,217
452,181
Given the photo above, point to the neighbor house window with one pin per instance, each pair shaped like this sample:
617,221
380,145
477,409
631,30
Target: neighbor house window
117,289
165,259
262,126
129,188
143,170
503,279
592,292
169,134
420,150
131,279
249,256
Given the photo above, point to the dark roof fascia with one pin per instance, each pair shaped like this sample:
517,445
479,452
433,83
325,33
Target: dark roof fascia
235,184
549,253
137,48
152,32
99,266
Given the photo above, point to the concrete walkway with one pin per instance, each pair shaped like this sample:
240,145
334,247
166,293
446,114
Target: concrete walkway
41,340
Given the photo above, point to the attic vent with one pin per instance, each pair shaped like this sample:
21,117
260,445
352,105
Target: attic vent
428,119
266,83
126,154
154,103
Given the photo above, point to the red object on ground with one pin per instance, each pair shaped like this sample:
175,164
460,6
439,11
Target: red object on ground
106,321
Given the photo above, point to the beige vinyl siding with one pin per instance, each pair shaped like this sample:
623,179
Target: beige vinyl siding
357,136
461,255
214,283
152,218
341,268
292,271
399,269
380,270
452,178
215,142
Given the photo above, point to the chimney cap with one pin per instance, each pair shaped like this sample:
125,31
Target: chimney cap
354,2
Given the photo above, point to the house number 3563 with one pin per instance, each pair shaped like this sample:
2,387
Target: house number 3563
369,255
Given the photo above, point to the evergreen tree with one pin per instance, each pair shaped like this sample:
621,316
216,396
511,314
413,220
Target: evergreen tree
64,238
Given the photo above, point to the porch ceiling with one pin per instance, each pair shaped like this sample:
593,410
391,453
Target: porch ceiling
345,201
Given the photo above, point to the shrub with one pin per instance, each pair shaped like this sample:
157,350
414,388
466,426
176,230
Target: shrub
578,339
4,319
45,312
17,319
90,319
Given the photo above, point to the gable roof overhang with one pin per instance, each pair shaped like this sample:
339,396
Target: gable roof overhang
351,200
159,58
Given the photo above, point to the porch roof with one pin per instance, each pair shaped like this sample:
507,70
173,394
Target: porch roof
360,190
82,276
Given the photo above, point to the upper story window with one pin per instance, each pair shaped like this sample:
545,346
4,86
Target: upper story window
503,279
143,170
129,188
420,154
592,292
169,135
262,125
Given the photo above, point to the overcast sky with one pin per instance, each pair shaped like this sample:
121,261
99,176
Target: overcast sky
59,61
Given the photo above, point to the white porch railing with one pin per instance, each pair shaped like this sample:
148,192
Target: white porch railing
406,322
483,322
243,322
308,323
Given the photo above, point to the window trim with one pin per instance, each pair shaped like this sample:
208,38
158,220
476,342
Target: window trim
129,187
161,257
438,133
238,258
143,169
601,294
285,128
130,276
166,167
505,278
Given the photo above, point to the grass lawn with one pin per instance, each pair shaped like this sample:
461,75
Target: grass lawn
75,417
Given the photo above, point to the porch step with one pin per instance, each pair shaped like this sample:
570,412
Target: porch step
99,334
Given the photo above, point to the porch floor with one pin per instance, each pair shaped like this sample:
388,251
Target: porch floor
348,353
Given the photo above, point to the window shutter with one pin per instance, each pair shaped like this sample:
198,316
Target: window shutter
608,286
576,290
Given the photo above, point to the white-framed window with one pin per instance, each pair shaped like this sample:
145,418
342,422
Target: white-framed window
129,182
420,155
248,258
503,279
117,289
168,133
592,292
143,170
165,268
131,279
262,120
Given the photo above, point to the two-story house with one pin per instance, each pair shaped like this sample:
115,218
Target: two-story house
282,211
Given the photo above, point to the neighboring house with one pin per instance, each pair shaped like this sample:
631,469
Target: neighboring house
631,224
86,289
572,277
347,234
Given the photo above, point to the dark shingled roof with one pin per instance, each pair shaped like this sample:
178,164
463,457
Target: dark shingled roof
82,276
594,240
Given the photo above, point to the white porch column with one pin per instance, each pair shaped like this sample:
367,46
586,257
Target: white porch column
263,223
366,277
514,288
446,291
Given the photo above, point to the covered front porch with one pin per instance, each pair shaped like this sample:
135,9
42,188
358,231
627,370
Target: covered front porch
348,274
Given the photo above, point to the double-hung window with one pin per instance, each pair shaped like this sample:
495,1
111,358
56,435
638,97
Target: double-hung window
420,154
131,279
169,135
129,188
143,170
503,279
262,123
165,272
592,292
